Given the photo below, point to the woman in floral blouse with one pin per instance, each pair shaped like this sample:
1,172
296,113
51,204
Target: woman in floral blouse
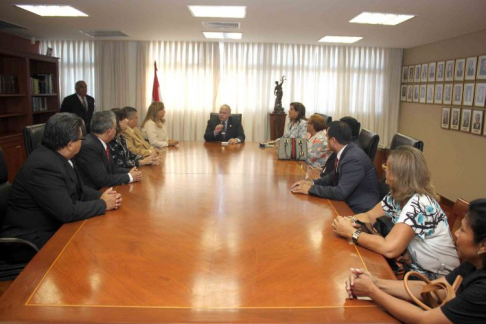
316,141
120,153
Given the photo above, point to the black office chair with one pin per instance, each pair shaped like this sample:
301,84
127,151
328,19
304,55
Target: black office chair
327,119
400,139
369,141
33,137
9,268
235,117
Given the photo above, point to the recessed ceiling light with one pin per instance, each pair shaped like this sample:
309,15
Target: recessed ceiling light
218,11
220,35
339,39
377,18
53,11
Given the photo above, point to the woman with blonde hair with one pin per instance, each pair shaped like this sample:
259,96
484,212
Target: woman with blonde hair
420,225
153,126
316,141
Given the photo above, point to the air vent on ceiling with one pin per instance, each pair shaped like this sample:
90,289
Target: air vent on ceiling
221,25
6,25
104,33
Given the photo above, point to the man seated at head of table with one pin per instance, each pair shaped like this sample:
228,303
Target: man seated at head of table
468,304
420,227
354,177
95,163
48,190
133,135
225,128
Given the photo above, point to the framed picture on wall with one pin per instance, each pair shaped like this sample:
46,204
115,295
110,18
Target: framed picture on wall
457,94
459,71
410,73
449,70
439,88
403,93
424,70
410,93
480,94
481,74
456,118
404,73
440,71
468,94
447,97
477,122
466,120
416,93
471,63
432,71
430,93
416,77
446,112
423,93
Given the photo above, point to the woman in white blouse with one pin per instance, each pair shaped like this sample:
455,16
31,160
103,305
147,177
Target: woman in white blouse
153,126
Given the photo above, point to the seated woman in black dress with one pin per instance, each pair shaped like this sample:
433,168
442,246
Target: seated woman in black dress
469,305
120,153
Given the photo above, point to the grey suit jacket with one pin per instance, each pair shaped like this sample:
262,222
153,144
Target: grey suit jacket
357,181
47,193
95,169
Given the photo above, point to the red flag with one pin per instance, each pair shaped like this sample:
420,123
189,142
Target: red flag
155,90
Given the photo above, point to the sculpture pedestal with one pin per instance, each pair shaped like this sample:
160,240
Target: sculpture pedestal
277,125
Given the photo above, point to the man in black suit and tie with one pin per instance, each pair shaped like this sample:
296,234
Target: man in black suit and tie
80,104
96,166
354,177
225,128
48,190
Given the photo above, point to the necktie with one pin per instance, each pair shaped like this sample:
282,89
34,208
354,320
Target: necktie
84,104
107,151
334,182
224,130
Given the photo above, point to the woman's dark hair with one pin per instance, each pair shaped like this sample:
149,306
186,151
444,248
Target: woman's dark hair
476,218
300,108
61,129
353,123
120,114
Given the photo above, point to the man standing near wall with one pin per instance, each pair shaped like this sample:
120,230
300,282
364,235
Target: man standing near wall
80,104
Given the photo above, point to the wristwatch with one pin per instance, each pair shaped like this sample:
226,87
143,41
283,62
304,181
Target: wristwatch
356,234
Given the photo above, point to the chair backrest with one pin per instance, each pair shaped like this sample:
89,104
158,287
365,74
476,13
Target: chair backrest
400,139
235,117
3,168
4,188
327,118
33,137
455,217
382,186
369,141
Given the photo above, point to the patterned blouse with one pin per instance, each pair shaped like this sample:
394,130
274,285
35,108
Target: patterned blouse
296,130
121,154
431,250
317,147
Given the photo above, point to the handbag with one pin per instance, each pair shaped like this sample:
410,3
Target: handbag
430,295
292,149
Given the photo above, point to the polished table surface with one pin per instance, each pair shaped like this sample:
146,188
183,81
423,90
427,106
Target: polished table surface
212,234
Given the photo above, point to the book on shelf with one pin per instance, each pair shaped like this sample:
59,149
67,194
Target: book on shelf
39,104
9,84
42,84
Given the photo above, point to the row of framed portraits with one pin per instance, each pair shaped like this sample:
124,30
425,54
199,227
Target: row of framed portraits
462,94
464,69
465,119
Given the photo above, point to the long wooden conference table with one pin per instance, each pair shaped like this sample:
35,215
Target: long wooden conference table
212,234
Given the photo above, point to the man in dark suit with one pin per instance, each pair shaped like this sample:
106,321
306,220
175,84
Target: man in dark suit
80,104
96,166
48,190
354,177
224,128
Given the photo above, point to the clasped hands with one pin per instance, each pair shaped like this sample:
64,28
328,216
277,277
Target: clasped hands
136,174
344,226
301,187
112,199
360,283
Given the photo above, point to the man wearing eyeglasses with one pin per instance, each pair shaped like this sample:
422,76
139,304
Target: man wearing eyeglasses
48,190
94,160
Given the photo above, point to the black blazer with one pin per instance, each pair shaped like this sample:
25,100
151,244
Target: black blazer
47,193
233,130
357,181
72,104
94,168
